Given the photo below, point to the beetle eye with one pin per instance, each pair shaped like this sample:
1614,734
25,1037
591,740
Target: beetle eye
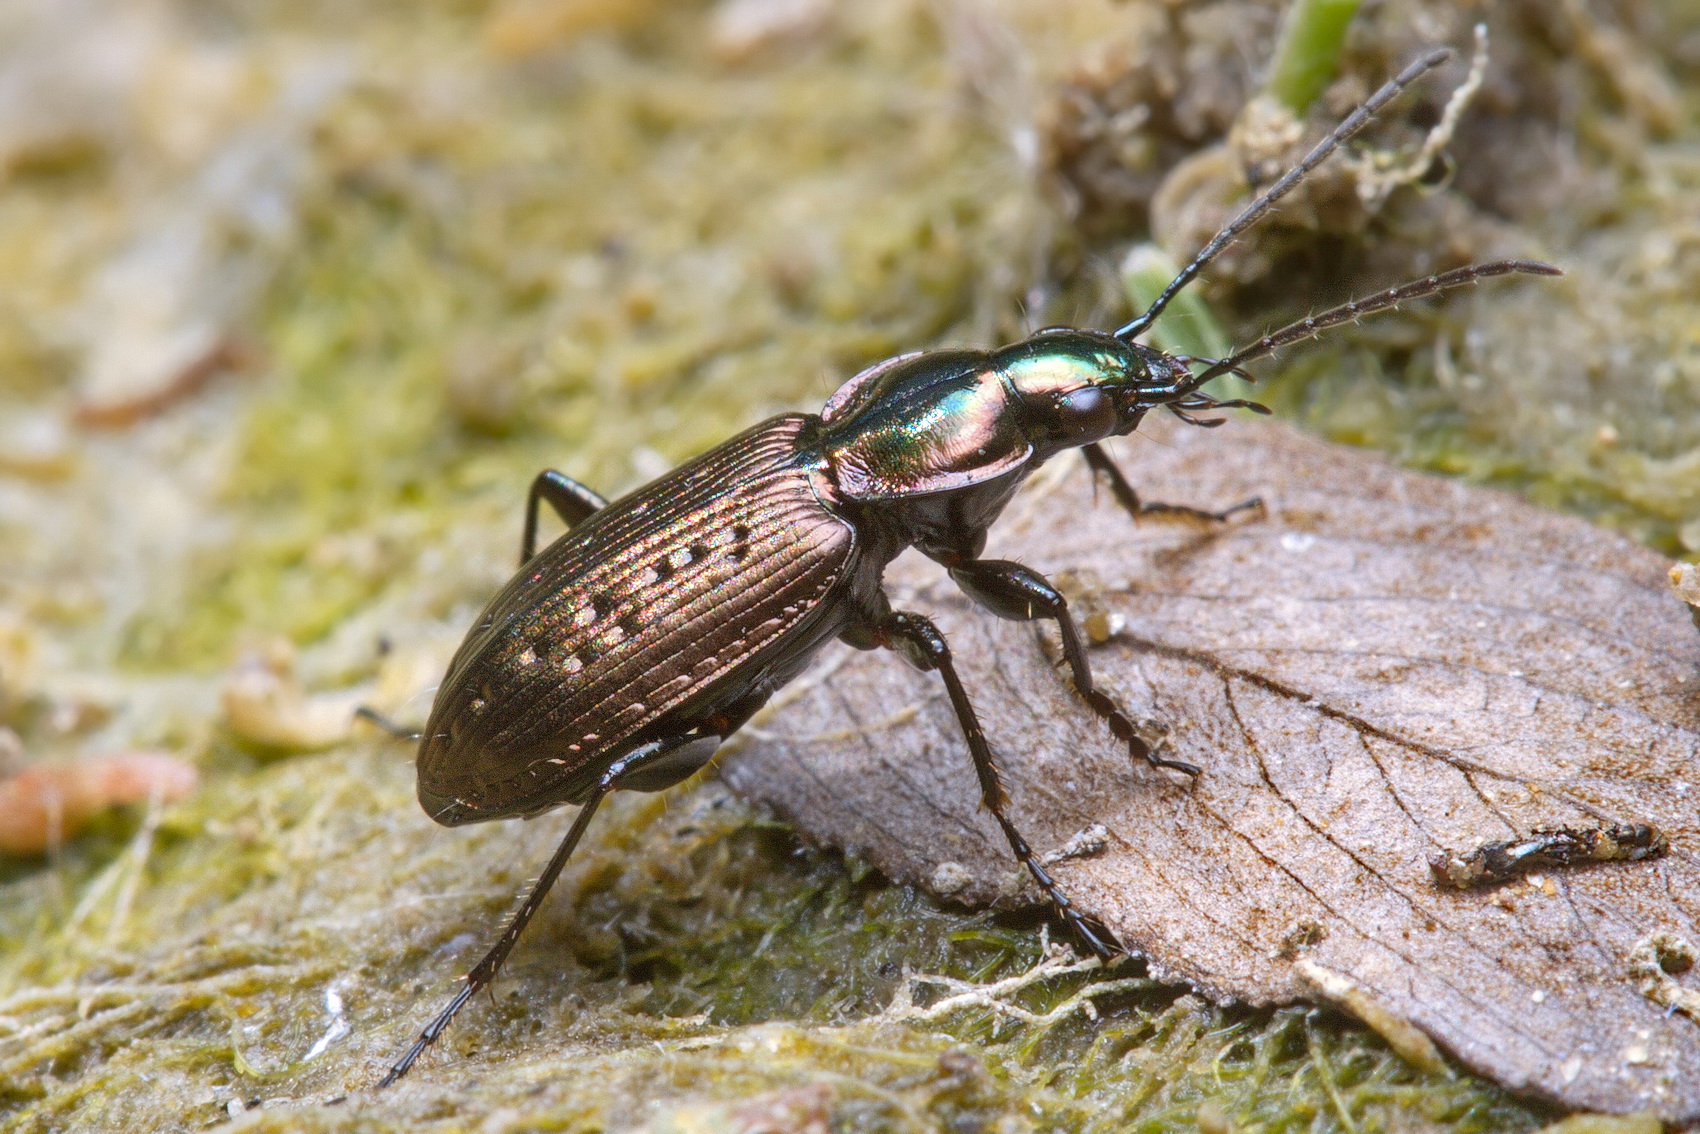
1085,415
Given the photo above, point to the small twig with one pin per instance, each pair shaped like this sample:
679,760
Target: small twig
997,997
227,354
1378,177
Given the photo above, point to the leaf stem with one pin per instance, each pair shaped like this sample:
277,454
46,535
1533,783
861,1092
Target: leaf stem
1308,52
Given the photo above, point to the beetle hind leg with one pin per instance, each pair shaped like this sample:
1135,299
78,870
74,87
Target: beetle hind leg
396,731
1101,465
919,641
618,774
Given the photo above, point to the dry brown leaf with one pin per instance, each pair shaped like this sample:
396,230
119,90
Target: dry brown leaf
1387,666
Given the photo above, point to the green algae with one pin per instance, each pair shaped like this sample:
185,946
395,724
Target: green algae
603,257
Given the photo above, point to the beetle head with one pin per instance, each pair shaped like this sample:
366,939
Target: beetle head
1077,387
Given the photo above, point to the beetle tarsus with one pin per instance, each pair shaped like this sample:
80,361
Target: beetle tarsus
1101,464
427,1037
1019,593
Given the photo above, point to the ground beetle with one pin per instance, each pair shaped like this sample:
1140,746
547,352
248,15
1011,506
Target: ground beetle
627,651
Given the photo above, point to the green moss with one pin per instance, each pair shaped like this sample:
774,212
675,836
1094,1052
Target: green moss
620,251
694,948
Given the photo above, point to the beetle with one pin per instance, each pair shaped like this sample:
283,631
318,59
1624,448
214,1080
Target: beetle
623,654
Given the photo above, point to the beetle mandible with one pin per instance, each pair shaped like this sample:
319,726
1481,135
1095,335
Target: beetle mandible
627,651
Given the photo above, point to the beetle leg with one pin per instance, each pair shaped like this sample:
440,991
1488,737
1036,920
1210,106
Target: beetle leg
1100,463
572,501
1021,594
484,972
399,732
920,642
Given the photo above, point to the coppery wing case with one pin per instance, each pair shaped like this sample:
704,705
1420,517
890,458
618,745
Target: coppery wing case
674,597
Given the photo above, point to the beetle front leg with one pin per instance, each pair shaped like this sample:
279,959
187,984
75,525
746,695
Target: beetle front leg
572,501
1011,590
1100,463
920,642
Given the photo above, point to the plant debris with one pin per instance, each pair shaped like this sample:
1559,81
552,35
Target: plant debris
1559,847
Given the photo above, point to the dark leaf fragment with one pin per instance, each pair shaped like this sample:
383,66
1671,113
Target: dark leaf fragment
1559,847
1386,667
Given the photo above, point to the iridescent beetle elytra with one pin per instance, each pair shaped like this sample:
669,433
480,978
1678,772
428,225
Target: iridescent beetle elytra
625,652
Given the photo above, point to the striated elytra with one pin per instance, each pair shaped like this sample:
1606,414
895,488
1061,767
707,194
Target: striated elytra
625,652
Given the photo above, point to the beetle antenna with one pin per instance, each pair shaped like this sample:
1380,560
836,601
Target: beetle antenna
1189,359
1353,122
1358,308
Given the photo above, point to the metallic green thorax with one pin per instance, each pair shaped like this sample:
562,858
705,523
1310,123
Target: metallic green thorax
946,420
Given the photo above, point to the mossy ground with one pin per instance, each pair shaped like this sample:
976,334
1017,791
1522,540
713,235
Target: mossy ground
572,234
